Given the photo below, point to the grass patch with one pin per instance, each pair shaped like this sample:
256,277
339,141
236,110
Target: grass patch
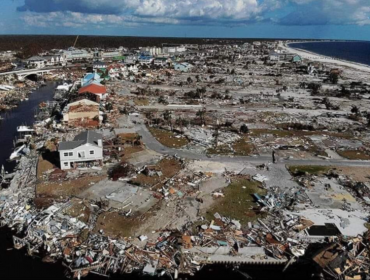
168,166
241,147
117,226
354,154
238,202
315,150
296,133
128,137
141,101
67,188
167,138
299,170
130,151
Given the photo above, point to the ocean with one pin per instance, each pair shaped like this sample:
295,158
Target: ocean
356,51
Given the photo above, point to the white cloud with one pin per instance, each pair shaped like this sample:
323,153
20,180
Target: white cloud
195,12
310,12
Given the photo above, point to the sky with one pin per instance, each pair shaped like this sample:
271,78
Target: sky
314,19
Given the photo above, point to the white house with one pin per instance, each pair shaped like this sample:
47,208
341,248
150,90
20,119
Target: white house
183,67
52,60
86,150
77,54
36,62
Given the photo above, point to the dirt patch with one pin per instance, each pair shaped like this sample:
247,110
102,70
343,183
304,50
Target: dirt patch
66,188
141,101
43,166
167,168
354,154
128,152
238,202
359,174
128,137
168,138
80,210
117,226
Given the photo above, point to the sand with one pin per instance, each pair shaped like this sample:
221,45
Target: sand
326,59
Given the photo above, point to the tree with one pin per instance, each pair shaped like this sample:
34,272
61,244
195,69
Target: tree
315,88
108,106
334,77
162,100
244,128
202,115
180,121
368,118
167,116
355,110
149,115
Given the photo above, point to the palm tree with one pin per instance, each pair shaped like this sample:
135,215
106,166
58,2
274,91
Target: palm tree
167,116
202,114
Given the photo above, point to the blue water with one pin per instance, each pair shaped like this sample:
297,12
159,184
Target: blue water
351,51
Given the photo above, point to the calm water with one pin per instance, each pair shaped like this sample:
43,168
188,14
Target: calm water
23,114
352,51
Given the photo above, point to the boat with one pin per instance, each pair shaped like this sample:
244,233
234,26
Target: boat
24,128
18,152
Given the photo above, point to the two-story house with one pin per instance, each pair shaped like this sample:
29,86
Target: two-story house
86,150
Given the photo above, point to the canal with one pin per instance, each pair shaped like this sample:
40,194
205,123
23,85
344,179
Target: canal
22,115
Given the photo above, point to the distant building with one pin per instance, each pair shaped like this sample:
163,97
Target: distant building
286,57
162,61
145,59
36,62
55,60
130,59
90,78
96,89
76,54
85,151
183,67
83,113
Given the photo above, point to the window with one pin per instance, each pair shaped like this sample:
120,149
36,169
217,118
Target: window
66,164
81,154
92,152
70,154
66,154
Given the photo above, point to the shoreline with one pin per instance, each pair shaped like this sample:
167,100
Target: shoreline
326,59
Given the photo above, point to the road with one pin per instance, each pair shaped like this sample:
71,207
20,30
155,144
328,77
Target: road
24,71
151,142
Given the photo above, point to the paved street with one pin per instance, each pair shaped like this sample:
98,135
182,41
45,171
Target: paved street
154,145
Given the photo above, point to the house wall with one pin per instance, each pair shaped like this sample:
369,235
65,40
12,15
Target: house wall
98,155
80,115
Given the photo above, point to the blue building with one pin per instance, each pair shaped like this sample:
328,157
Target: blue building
90,78
183,67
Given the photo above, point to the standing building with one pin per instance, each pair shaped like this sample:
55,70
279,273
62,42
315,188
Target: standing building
85,151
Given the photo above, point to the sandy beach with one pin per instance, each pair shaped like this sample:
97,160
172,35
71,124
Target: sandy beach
326,59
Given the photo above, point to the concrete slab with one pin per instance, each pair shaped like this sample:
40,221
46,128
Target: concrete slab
349,223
